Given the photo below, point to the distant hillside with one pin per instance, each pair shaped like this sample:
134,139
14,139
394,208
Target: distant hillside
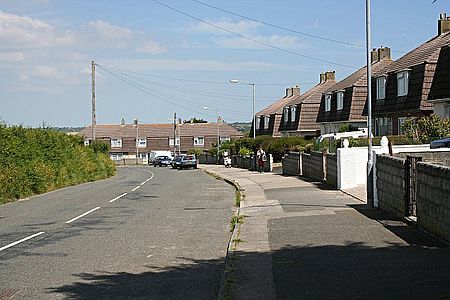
243,127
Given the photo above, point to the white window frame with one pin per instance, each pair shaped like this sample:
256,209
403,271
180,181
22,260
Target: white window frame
257,122
177,141
87,142
327,102
381,87
199,141
116,156
340,100
293,112
285,114
266,122
142,143
402,83
116,143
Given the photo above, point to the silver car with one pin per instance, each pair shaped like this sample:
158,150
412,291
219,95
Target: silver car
188,161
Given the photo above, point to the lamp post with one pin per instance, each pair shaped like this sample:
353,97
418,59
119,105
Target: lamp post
137,138
253,108
370,175
218,130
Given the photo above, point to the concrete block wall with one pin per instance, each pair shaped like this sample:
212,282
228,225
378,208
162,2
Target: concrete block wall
313,166
291,164
391,184
440,158
433,199
332,170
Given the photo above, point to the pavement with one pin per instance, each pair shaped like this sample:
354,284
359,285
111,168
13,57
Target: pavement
302,240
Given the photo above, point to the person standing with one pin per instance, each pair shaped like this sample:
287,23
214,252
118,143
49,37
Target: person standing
261,157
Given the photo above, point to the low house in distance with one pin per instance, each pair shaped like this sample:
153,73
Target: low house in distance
343,103
124,139
402,91
300,113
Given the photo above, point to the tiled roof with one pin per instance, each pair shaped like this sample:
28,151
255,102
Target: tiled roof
275,107
160,130
427,52
359,78
440,87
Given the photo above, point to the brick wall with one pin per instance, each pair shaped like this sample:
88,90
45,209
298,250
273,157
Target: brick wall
433,199
391,184
440,158
291,164
332,170
313,166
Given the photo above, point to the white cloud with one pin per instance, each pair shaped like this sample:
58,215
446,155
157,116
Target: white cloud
151,47
112,35
194,65
21,32
12,56
241,27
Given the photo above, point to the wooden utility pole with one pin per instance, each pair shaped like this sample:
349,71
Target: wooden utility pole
174,132
94,118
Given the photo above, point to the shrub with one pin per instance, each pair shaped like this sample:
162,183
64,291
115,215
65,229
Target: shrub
34,161
424,129
196,151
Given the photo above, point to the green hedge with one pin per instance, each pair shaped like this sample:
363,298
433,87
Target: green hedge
35,161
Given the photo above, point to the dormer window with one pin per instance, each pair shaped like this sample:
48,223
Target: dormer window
327,102
340,100
402,83
286,114
381,87
266,122
257,122
293,112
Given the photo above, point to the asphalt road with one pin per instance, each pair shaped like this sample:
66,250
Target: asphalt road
147,233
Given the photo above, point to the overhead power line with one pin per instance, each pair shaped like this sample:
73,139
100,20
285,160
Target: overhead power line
285,28
175,101
252,39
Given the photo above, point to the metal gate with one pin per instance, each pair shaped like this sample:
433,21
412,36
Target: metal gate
411,184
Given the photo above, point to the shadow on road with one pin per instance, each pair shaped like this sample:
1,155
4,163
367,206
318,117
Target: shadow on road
350,271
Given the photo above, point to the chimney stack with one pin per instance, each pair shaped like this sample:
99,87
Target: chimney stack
443,24
330,75
384,53
296,90
322,78
374,56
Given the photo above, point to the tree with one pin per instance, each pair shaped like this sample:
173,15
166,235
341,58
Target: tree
195,120
426,128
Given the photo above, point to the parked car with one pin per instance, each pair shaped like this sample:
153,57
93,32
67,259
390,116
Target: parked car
188,161
444,143
162,161
176,161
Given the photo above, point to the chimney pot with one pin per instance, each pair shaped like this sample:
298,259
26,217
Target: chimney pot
443,24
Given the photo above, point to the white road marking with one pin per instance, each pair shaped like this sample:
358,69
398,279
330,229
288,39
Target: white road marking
148,256
135,188
142,183
117,198
80,216
21,241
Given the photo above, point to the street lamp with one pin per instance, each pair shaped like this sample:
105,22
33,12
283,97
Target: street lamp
370,176
253,110
218,132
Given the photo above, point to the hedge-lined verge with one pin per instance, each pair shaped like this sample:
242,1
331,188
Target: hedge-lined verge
38,160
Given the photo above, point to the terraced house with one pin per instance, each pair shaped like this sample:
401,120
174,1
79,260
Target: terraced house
128,139
268,120
300,112
403,89
439,94
343,103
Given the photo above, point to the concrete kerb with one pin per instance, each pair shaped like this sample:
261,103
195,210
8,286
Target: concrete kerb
226,279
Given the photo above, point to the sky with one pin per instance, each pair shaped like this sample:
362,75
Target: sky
155,58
